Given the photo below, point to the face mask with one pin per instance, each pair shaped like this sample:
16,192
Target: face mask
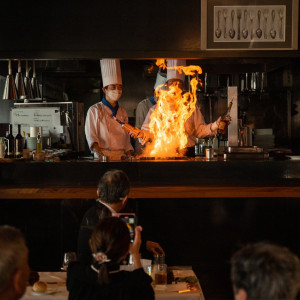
114,95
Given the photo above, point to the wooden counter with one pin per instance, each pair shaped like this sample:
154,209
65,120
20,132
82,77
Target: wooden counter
153,179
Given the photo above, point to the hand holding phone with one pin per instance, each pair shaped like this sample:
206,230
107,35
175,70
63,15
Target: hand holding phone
129,219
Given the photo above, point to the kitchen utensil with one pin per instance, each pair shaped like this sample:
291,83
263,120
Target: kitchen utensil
280,28
225,15
258,30
231,30
218,31
273,31
34,83
10,90
266,14
251,24
239,16
27,83
20,82
245,30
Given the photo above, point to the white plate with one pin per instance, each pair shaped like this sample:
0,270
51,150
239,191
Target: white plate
48,292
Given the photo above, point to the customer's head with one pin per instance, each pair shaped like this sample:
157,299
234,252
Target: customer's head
109,243
113,186
14,269
265,271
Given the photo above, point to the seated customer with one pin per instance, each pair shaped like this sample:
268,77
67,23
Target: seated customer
14,269
265,271
113,190
110,244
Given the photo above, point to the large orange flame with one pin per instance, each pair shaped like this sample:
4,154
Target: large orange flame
168,119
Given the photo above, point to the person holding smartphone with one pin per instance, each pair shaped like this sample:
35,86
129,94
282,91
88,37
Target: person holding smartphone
103,279
113,190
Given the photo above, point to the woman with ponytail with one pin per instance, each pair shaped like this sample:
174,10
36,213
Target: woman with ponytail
110,244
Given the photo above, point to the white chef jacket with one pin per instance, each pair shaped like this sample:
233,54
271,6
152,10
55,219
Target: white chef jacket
100,128
195,126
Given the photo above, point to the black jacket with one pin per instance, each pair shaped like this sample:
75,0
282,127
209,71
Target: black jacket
82,284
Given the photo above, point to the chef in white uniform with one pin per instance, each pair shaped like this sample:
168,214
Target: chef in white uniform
105,136
195,125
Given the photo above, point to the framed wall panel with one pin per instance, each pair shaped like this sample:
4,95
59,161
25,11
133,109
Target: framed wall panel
246,25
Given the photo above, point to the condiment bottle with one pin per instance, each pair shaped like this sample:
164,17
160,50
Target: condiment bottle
215,144
224,121
138,133
38,144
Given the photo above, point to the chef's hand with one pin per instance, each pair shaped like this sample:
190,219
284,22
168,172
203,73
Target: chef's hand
215,125
95,147
134,248
146,137
154,247
129,154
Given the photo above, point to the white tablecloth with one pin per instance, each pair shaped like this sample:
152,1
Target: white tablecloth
56,283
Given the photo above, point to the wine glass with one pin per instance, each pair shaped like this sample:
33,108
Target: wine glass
68,257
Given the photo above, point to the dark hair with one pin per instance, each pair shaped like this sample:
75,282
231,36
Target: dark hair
113,186
266,271
111,237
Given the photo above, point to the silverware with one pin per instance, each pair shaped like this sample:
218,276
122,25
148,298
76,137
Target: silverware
251,20
266,14
231,30
258,30
218,31
273,31
280,29
225,15
245,30
239,16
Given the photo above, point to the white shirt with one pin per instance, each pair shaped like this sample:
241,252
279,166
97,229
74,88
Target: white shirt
195,126
100,128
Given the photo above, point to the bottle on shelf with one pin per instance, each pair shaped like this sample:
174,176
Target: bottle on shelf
10,153
209,143
2,148
19,144
215,144
38,144
25,140
224,120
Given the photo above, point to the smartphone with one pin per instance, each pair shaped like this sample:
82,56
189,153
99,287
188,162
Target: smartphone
129,219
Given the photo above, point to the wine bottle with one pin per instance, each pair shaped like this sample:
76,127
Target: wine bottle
224,120
10,143
19,144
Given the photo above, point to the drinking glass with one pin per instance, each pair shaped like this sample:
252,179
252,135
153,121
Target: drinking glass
160,274
68,257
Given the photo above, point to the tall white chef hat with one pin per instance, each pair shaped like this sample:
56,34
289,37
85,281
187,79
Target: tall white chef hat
111,71
173,73
161,78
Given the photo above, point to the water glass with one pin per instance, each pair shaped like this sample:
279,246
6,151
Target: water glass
68,257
